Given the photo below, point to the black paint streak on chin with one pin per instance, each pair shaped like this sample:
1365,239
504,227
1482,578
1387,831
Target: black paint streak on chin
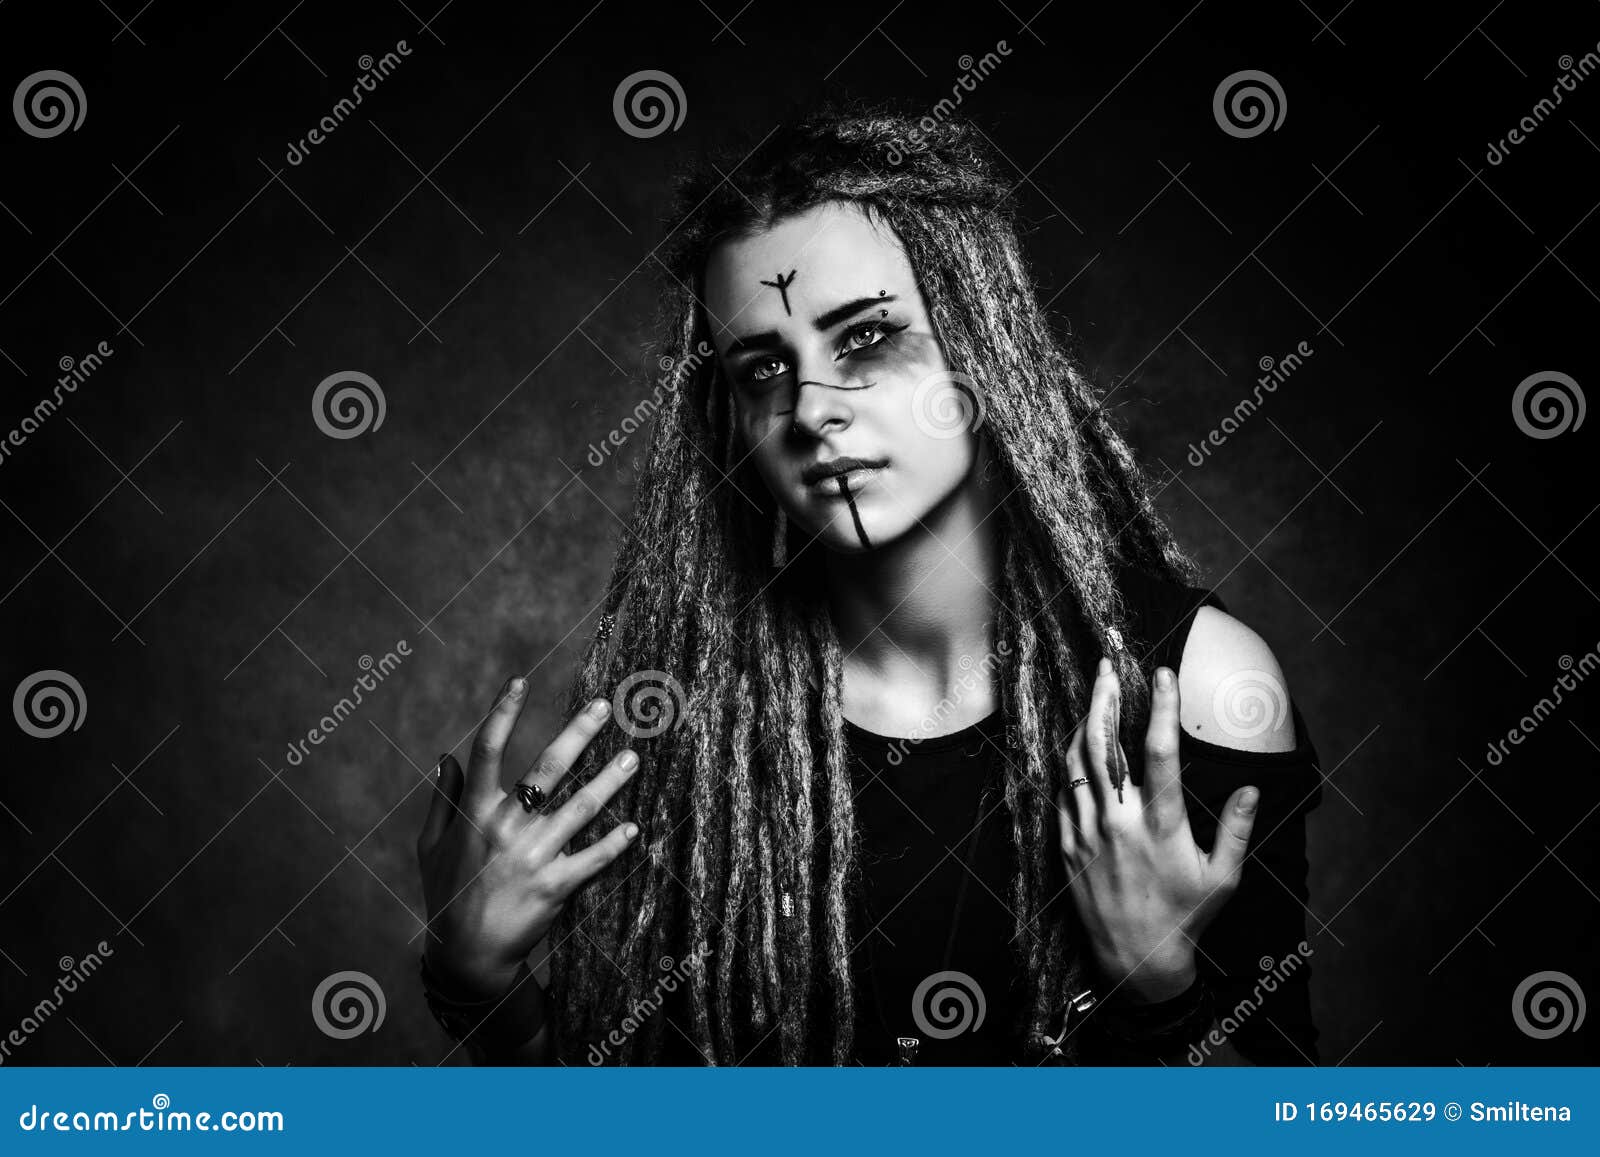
855,515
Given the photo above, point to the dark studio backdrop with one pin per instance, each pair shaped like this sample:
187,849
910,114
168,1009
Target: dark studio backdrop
205,570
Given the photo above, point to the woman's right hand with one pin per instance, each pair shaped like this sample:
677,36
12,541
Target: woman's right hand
495,876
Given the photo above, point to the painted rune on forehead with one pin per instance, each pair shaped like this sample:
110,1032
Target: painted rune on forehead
782,286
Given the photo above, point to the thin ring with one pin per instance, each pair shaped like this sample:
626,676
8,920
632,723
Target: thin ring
531,795
1079,782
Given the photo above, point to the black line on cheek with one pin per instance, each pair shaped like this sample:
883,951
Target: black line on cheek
855,515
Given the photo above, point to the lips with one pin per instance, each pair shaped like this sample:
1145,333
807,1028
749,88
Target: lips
819,472
822,479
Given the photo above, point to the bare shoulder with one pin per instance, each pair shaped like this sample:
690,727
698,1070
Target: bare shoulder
1232,690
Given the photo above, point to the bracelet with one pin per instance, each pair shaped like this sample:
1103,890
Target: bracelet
498,1023
1135,1030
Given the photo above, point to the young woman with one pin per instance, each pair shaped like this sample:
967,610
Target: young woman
941,758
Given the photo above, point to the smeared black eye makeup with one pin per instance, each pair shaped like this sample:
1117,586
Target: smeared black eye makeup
858,339
885,331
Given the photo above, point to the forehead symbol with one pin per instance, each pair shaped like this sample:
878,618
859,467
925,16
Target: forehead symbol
782,286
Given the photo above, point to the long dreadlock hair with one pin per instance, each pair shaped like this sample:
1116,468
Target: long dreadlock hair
727,678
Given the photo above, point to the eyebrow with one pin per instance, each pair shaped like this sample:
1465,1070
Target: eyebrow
823,321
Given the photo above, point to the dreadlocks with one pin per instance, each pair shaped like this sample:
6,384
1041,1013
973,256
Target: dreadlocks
746,798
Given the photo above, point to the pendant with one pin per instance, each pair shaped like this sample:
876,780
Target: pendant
1077,1008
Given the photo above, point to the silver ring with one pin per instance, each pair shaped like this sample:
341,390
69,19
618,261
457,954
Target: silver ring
531,795
1079,782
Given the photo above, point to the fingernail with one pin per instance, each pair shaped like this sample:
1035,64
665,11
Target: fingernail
1163,678
1104,668
518,684
631,830
628,761
600,708
1247,801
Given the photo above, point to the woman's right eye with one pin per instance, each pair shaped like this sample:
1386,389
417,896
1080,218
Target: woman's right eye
764,369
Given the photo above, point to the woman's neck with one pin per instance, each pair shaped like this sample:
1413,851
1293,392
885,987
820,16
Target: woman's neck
915,618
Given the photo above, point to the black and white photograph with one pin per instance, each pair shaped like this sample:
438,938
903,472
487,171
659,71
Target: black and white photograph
1008,536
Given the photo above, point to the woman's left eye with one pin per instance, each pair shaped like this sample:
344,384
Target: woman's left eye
866,335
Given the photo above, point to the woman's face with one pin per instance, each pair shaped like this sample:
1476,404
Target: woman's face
826,343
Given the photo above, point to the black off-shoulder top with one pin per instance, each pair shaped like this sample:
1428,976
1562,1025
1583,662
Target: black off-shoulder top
934,919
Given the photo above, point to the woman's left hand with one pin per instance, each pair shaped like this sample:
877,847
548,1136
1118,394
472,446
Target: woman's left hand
1144,890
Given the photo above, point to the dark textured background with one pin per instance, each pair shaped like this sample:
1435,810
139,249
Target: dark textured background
183,540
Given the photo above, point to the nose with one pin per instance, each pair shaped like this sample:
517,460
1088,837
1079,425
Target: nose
820,407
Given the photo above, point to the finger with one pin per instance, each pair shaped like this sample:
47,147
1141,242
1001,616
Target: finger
1233,832
572,872
557,759
489,745
1068,821
1163,785
447,783
586,802
1106,763
1080,790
